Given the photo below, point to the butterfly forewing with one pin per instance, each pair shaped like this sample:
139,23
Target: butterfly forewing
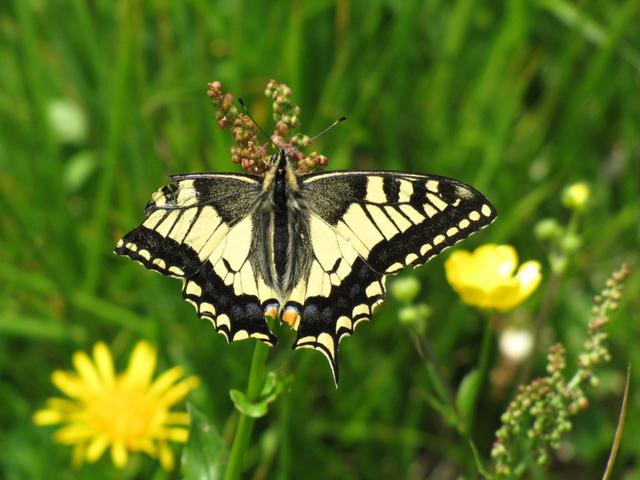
198,228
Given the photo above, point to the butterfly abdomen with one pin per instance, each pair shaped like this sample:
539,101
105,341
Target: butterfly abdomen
280,226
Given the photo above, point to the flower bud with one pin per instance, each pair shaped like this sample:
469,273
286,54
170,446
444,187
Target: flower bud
547,229
576,196
405,289
571,243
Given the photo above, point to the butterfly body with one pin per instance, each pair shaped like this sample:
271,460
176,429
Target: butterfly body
313,250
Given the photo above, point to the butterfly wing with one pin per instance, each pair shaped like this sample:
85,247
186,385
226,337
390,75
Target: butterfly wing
365,226
199,229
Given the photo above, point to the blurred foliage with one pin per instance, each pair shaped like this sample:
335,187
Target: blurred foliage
100,101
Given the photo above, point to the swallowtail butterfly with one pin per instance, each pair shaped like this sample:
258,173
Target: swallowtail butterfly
313,250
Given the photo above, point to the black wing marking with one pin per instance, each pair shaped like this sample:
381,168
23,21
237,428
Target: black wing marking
376,223
198,229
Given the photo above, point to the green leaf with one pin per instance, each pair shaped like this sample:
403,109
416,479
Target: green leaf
205,454
467,394
444,409
273,386
251,409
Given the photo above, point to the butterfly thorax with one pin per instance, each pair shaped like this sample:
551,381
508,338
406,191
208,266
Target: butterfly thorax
283,221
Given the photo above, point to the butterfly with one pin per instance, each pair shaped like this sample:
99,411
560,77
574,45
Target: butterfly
313,250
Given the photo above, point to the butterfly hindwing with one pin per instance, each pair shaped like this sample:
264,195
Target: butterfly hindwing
340,291
198,228
374,224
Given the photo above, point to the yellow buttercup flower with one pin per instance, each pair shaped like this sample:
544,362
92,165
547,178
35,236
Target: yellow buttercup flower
487,278
125,412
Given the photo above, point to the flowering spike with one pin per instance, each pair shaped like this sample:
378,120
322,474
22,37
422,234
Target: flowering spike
249,152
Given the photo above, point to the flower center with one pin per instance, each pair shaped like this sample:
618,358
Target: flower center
124,414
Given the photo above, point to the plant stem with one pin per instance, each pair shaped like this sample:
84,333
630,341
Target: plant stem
540,323
483,366
245,423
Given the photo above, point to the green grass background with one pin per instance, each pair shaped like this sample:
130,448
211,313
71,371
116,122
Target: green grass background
518,98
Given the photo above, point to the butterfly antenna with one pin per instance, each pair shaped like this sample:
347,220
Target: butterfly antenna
340,120
246,111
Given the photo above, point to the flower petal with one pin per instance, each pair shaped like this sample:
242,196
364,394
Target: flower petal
142,364
74,433
68,383
165,380
62,404
180,390
455,267
47,417
505,297
119,454
166,457
144,445
104,362
77,456
178,418
529,277
176,434
494,262
96,448
86,370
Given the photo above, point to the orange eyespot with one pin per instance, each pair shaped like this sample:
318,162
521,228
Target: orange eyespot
291,317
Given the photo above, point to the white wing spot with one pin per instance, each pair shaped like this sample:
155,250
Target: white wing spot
412,213
343,322
193,289
437,201
327,341
452,231
425,248
396,267
158,262
474,216
429,210
359,310
409,259
223,320
240,335
486,210
405,191
373,290
261,336
176,270
375,190
208,309
438,240
464,223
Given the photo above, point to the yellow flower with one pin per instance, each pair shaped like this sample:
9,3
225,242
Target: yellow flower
485,278
126,412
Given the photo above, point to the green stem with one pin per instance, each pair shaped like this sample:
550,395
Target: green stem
242,436
483,366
